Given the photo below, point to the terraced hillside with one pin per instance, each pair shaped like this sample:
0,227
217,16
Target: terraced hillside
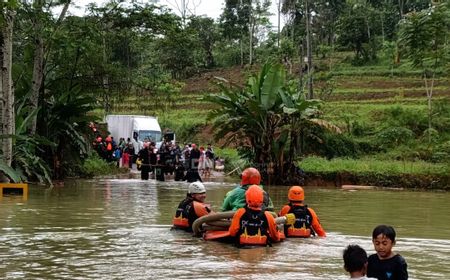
354,96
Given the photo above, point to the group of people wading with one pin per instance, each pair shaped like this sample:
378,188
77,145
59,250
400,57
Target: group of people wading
184,163
253,223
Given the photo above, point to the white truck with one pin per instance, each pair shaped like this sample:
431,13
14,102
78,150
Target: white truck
137,128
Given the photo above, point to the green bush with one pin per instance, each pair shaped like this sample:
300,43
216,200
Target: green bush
394,136
95,166
333,145
227,55
414,120
439,153
441,115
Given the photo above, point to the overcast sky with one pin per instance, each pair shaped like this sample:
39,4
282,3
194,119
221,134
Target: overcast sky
211,8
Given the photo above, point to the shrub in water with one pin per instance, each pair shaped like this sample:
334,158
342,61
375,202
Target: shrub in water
95,166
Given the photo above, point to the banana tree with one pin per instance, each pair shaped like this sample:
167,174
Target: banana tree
263,116
65,121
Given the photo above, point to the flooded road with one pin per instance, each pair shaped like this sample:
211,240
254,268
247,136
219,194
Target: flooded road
119,229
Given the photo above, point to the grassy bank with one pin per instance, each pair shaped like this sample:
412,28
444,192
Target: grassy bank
369,165
382,173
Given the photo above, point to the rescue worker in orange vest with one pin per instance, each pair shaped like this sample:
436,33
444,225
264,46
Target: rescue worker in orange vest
192,207
251,225
306,223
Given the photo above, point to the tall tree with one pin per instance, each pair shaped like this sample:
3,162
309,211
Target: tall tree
358,27
185,8
6,82
424,38
243,19
207,34
38,18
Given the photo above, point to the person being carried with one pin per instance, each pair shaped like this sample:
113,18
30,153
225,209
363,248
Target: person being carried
355,262
192,207
252,225
235,198
306,223
385,264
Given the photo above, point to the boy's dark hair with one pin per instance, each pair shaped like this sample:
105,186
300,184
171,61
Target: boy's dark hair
355,258
385,230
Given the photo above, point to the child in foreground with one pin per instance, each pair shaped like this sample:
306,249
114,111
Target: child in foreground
355,262
385,264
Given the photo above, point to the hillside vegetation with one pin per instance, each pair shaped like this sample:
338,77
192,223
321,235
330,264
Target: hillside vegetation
372,91
383,115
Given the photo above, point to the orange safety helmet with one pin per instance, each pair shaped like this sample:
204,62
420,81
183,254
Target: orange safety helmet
250,176
296,193
254,197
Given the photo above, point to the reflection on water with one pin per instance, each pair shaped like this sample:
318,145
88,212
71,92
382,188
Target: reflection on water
119,229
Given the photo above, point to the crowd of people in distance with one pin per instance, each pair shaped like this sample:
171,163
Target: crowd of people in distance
189,163
254,224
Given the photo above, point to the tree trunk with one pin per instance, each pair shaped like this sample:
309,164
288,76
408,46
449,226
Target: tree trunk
429,90
105,80
241,40
279,23
7,91
38,71
400,7
300,80
309,52
251,28
39,57
241,43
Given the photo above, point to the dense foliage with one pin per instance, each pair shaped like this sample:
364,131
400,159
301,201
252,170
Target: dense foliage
69,70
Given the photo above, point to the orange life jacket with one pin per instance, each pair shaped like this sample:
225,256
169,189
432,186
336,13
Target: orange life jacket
188,211
303,221
253,228
181,218
298,232
180,221
109,147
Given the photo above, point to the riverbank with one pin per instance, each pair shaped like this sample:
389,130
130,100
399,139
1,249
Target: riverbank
397,181
381,173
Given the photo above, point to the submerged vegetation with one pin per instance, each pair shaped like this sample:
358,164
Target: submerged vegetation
362,89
